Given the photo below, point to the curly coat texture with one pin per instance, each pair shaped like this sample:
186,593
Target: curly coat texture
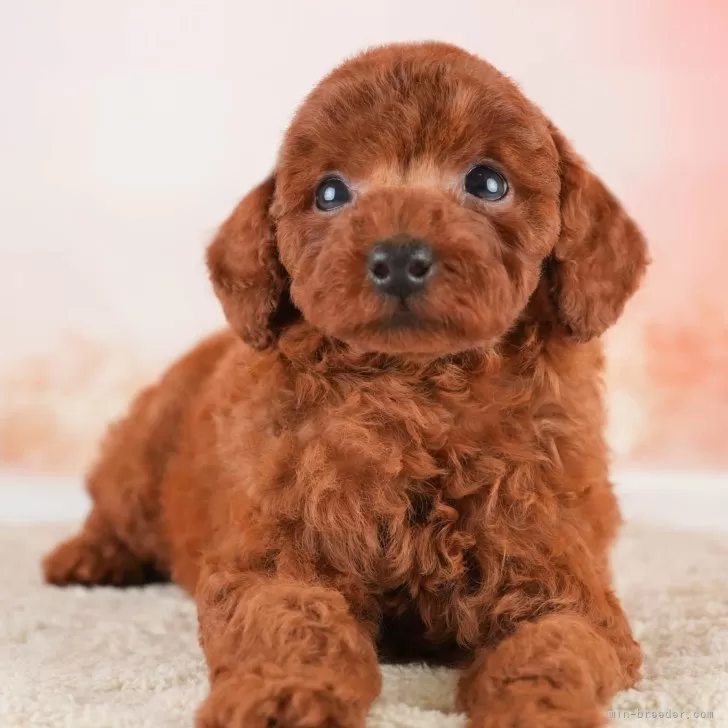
338,480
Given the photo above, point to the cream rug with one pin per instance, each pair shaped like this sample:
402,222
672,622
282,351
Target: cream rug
108,658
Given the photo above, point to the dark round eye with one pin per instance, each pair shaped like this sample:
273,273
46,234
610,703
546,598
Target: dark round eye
486,183
332,193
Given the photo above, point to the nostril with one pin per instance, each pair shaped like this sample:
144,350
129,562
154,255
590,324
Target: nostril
418,268
419,264
380,271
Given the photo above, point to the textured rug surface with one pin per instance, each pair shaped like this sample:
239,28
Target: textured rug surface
108,658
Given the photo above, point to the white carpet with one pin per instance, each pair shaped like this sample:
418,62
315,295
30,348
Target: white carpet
108,658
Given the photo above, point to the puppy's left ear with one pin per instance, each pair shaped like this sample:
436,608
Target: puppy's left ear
601,255
245,271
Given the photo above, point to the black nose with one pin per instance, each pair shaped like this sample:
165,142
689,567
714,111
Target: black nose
400,268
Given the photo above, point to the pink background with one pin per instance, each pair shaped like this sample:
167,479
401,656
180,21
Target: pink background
129,131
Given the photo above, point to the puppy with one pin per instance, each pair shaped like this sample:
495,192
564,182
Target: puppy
397,450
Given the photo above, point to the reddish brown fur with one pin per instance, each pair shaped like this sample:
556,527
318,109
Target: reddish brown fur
333,486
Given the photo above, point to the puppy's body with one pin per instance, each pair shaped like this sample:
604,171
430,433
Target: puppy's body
425,489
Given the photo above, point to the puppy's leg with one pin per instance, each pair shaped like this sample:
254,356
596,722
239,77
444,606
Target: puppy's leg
124,540
282,653
96,556
558,670
121,541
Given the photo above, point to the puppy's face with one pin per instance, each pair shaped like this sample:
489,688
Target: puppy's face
416,198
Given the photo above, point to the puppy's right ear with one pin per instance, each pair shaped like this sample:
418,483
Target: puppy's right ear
601,255
244,268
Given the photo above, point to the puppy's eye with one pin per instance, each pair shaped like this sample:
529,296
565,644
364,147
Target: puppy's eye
486,183
332,193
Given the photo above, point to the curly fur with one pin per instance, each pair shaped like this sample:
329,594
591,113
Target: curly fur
335,487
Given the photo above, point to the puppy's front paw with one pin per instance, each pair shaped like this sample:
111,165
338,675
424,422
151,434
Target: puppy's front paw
270,697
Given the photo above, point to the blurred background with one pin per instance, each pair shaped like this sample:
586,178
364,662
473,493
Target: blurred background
129,130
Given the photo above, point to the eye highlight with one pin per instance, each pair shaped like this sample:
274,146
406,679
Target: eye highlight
331,193
487,184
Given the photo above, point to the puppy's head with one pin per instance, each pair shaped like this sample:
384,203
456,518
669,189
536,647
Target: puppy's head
418,200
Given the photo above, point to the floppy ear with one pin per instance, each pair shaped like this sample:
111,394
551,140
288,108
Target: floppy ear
601,255
244,268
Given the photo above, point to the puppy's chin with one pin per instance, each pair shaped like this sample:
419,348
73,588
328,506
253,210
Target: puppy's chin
408,335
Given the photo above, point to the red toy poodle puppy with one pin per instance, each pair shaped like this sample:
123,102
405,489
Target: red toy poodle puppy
397,450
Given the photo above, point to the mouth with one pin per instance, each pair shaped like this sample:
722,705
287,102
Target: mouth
408,328
403,318
408,333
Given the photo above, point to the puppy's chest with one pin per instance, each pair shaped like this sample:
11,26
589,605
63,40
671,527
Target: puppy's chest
377,440
385,479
